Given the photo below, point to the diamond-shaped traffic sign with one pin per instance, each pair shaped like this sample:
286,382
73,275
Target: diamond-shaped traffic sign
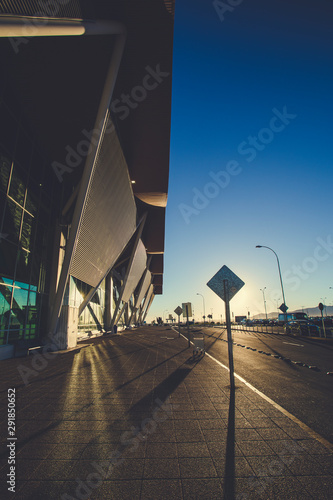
283,308
234,283
178,311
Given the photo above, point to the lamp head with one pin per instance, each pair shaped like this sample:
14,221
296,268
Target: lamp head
258,246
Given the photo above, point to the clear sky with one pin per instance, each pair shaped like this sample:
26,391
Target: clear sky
251,154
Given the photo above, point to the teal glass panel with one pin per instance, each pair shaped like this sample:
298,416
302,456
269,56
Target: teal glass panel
5,301
19,309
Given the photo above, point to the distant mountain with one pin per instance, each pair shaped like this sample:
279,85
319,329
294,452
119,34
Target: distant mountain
310,311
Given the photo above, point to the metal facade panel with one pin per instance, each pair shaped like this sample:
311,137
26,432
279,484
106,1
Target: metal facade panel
145,285
148,296
109,216
38,8
136,271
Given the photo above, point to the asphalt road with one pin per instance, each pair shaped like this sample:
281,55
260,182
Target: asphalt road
305,392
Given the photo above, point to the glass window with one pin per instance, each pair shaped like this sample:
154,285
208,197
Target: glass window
12,221
23,265
5,301
31,201
18,183
19,309
27,231
32,316
23,150
8,253
5,166
8,129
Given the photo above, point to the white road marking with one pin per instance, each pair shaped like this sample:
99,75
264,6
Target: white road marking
290,343
307,429
301,424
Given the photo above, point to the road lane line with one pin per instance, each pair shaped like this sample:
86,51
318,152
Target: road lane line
290,343
301,424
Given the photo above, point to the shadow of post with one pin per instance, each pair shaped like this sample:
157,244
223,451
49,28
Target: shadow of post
229,472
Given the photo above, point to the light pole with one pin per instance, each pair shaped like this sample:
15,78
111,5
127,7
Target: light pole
323,301
277,258
263,294
203,300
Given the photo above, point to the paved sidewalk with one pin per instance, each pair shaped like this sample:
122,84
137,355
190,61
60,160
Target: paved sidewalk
134,416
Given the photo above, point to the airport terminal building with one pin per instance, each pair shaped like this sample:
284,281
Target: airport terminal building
85,110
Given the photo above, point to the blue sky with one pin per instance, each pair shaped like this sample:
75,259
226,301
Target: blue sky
251,154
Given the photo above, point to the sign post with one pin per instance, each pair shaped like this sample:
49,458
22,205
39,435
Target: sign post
178,311
226,284
229,336
187,311
321,307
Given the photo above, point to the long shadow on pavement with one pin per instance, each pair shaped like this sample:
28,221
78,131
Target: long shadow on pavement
229,471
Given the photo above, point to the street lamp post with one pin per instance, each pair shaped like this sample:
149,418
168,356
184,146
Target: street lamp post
278,262
165,310
263,294
203,300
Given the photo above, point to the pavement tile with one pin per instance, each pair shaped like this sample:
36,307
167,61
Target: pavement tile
161,450
286,487
97,452
26,468
300,465
68,451
215,435
243,423
188,435
275,434
196,450
40,490
52,470
203,489
212,423
321,488
161,468
130,468
270,465
286,446
218,449
194,425
254,448
246,434
162,437
313,447
251,488
161,489
197,467
64,431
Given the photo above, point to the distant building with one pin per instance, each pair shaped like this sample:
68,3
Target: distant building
85,107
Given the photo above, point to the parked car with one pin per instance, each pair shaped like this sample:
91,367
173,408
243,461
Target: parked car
301,327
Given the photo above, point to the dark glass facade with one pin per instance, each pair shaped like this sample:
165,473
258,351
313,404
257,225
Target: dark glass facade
26,218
